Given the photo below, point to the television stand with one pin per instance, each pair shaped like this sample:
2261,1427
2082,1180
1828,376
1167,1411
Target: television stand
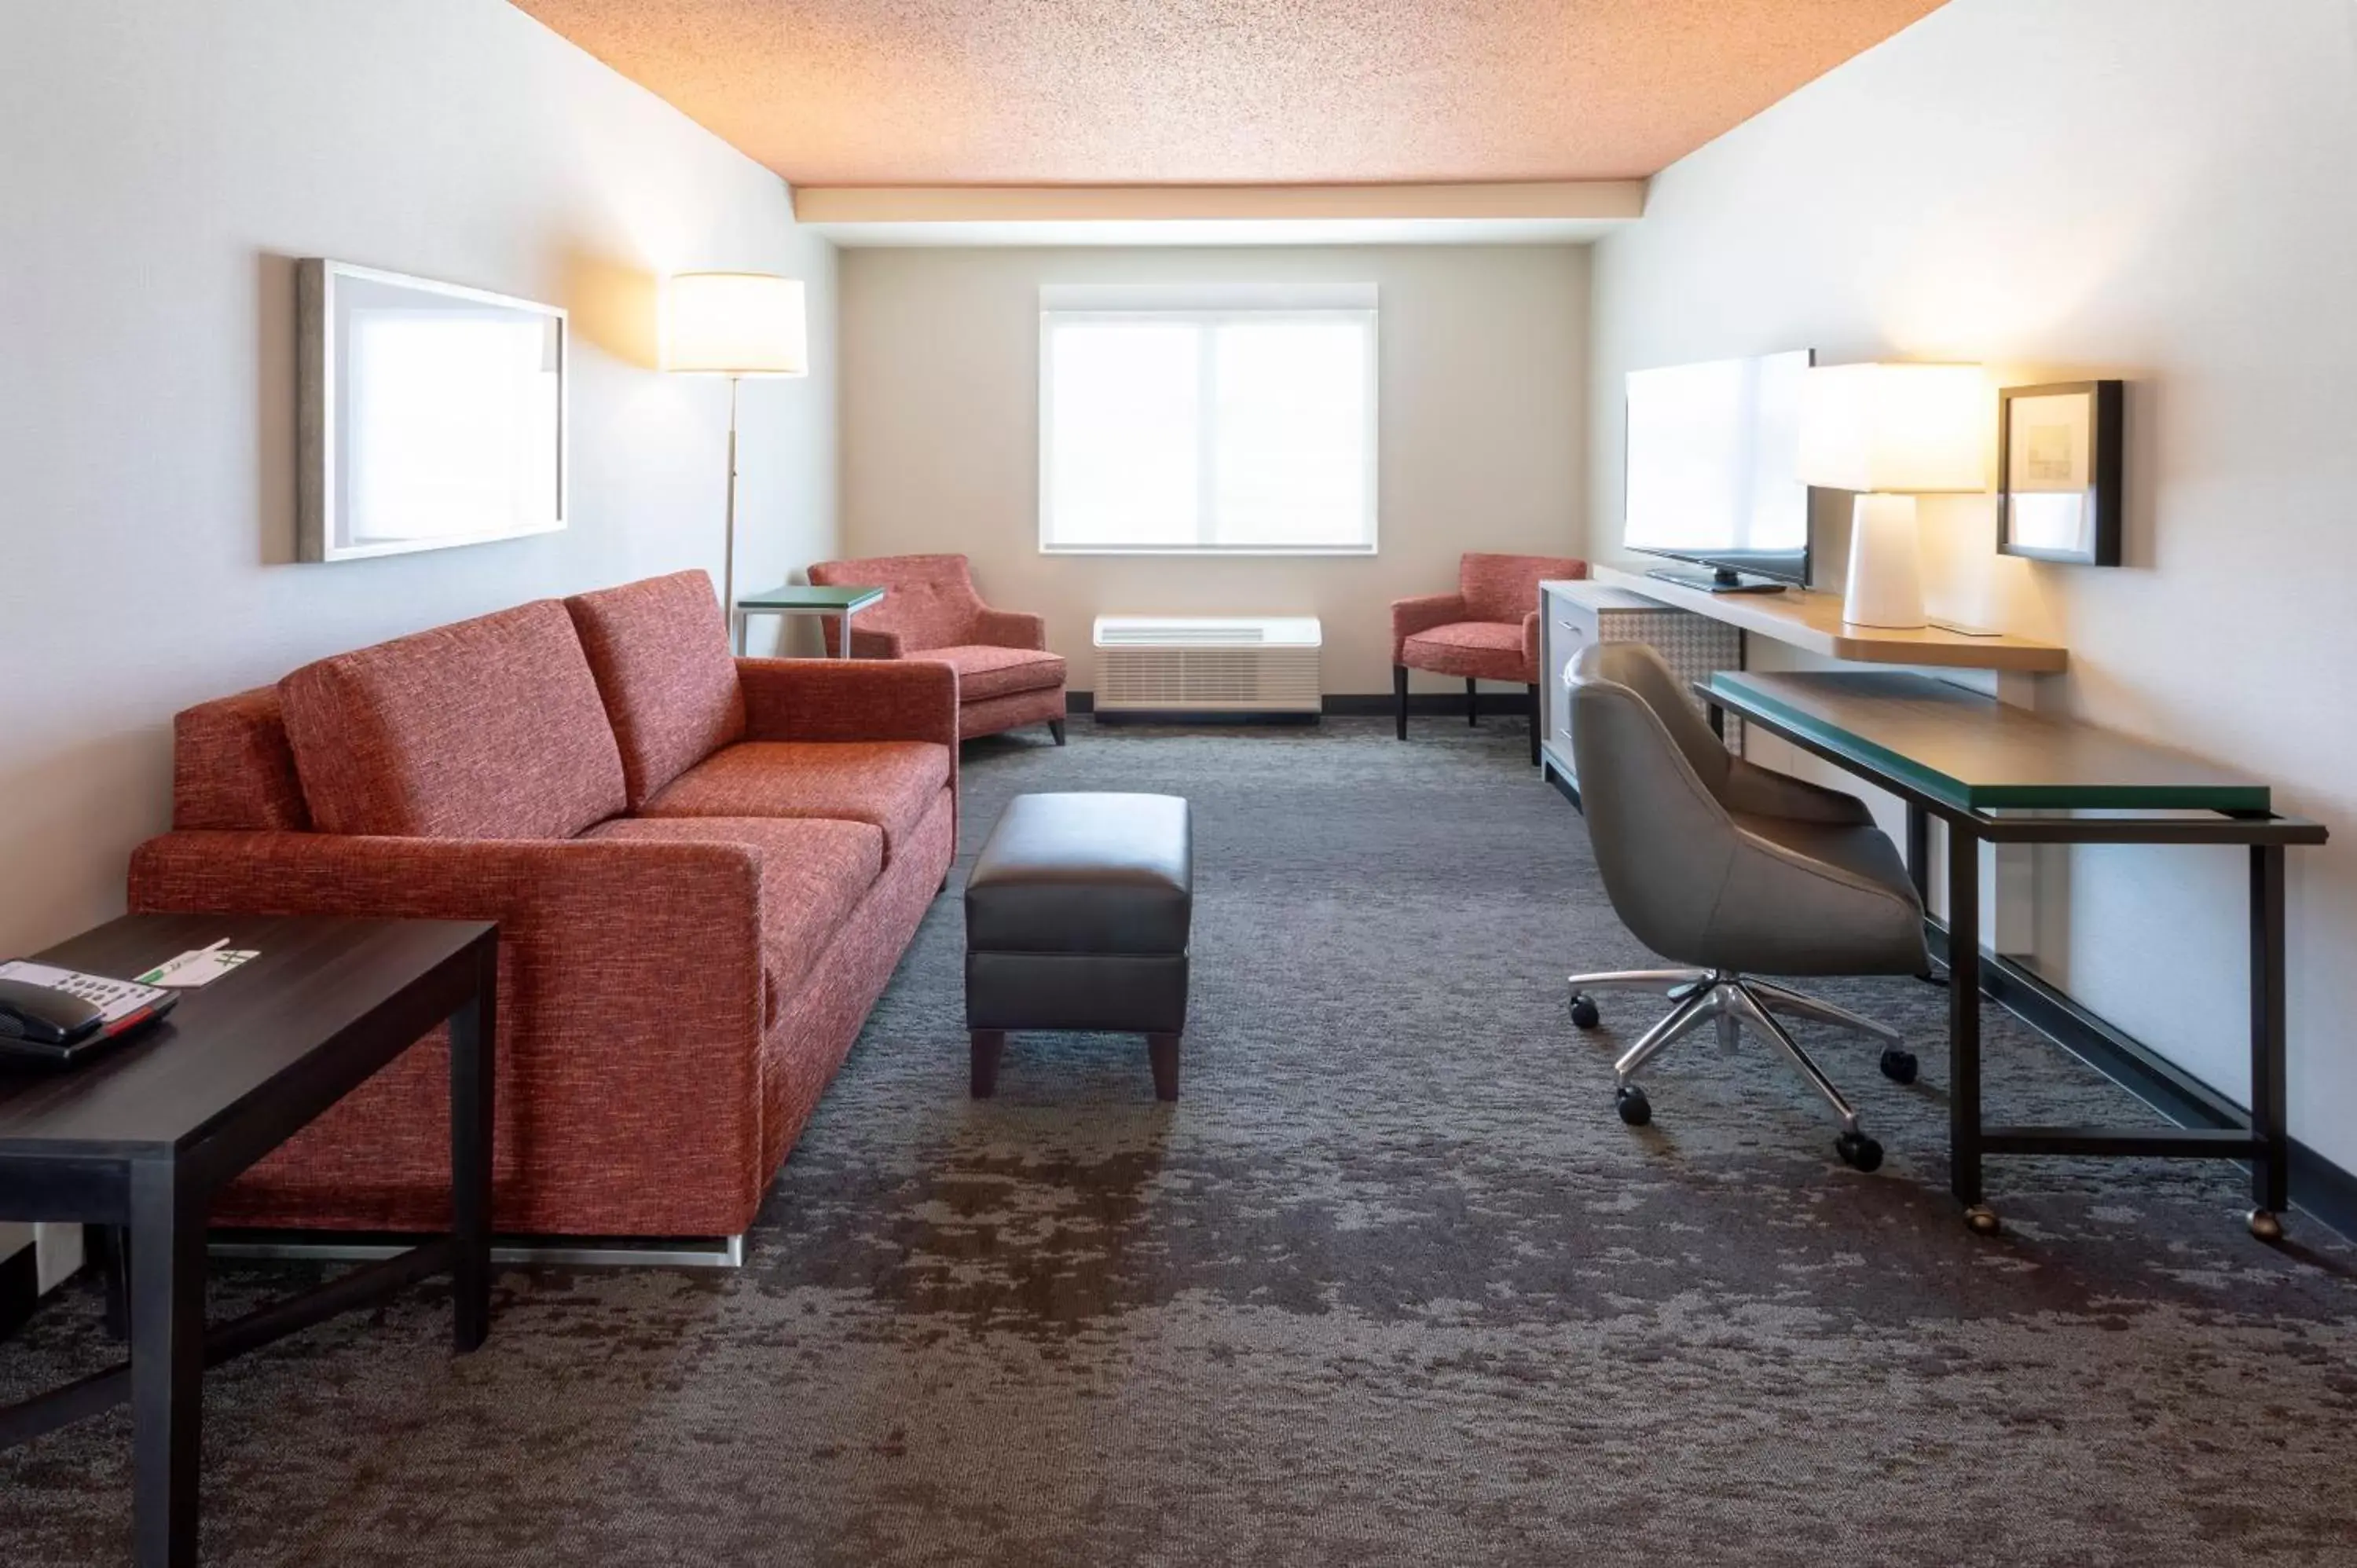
1721,581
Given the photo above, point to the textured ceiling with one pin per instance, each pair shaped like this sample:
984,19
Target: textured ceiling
1279,91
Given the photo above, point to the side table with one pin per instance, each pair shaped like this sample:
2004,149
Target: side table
143,1138
798,599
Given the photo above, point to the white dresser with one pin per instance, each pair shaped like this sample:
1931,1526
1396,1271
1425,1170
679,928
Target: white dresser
1575,614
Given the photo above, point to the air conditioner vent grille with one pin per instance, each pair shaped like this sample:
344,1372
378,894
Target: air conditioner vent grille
1211,664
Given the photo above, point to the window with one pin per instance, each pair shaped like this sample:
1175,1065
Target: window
1236,420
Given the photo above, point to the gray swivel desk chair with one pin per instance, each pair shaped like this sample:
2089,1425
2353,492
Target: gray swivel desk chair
1733,870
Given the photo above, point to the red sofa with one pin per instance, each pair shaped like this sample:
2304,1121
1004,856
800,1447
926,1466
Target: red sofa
1007,677
705,870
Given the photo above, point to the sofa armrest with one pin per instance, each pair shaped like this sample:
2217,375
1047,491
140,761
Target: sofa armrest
850,699
1011,629
1422,614
1531,643
632,1002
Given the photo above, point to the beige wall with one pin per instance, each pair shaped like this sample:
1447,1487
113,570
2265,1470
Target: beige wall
2156,189
1483,419
165,162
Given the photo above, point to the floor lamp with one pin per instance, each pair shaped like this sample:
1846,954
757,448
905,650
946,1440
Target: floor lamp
1891,432
735,324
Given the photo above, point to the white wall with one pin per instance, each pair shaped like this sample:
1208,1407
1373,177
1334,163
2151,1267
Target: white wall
2156,189
1483,418
165,163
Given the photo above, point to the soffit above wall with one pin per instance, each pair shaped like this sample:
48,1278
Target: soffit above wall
863,92
1552,212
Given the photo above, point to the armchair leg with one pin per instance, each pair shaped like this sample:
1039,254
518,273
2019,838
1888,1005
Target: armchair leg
1399,696
1056,727
1472,702
1534,723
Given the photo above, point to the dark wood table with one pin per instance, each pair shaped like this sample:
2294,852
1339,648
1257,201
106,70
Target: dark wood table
141,1139
1999,774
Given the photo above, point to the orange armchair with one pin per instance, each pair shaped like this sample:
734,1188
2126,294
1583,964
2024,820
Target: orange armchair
1487,631
930,610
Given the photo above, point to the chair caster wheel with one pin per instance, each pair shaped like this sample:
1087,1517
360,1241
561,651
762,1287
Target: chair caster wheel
1982,1218
1584,1015
2266,1225
1897,1066
1860,1151
1634,1108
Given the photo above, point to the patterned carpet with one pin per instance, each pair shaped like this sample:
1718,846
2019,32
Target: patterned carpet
1390,1284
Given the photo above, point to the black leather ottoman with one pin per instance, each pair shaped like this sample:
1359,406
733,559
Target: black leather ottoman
1076,918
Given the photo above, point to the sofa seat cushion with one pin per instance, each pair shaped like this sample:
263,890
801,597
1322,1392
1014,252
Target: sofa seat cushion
814,872
888,783
660,651
985,671
1483,650
490,728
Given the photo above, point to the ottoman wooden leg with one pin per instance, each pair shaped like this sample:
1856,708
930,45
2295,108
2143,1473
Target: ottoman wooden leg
1164,1050
981,1074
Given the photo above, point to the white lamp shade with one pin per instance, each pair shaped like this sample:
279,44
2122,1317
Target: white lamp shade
735,324
1894,429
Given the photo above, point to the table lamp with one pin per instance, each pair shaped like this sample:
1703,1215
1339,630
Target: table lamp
734,324
1891,432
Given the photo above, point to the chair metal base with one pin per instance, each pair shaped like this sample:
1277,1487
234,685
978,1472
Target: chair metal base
1728,1001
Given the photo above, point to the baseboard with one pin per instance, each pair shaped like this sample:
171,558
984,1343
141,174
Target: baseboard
1357,706
1198,717
20,1287
2321,1187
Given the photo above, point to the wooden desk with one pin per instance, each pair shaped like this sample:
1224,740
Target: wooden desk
140,1139
1812,621
1999,774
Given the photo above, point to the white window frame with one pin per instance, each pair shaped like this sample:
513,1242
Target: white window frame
1208,305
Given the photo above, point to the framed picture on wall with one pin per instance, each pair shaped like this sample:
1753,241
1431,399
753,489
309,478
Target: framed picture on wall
428,414
2058,467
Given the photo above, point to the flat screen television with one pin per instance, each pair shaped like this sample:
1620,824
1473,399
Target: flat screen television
1712,471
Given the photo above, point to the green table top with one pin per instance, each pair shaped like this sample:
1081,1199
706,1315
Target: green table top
1976,753
801,597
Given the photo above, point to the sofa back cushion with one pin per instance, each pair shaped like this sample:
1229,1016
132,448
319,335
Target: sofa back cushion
490,728
659,652
929,600
1506,587
231,767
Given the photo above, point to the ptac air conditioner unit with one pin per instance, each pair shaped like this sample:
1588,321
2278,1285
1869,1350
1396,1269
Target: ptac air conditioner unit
1198,665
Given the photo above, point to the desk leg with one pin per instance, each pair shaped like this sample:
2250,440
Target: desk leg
843,649
1919,850
1919,864
167,1364
1964,1024
474,1033
2270,1192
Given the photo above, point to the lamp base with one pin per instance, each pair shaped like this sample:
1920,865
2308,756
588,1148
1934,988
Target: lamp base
1886,565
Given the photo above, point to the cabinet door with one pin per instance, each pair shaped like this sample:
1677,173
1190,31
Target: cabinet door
1570,627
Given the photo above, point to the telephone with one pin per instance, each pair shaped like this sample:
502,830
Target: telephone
47,1025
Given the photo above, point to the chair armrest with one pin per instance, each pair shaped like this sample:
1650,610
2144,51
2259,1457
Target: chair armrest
850,699
1412,615
1759,791
1531,643
1011,629
865,643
